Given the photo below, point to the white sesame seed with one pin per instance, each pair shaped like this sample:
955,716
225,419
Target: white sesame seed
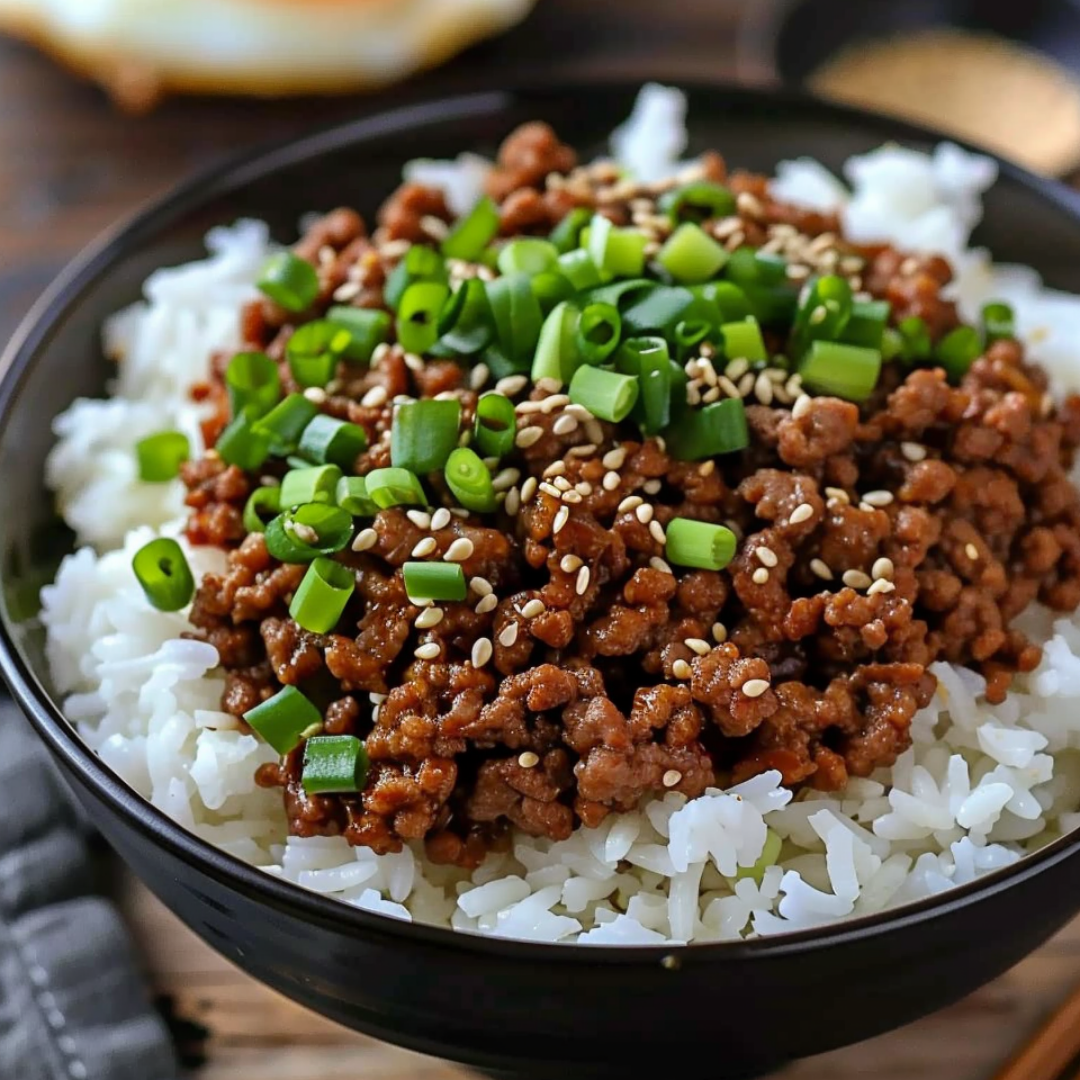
749,204
719,633
801,406
707,468
754,687
365,538
481,586
699,645
656,531
440,519
802,512
562,484
878,498
561,518
882,568
460,550
556,468
533,608
509,635
630,503
971,551
766,556
711,395
793,387
583,487
909,266
528,436
644,513
658,564
882,585
505,479
478,376
487,603
727,386
481,652
866,507
672,777
572,497
550,489
611,481
511,385
430,651
435,227
821,570
585,450
763,389
564,425
614,459
525,407
682,670
760,576
856,579
413,362
737,368
594,431
568,564
839,494
376,698
428,618
315,394
382,351
305,532
528,760
347,291
513,502
574,409
419,518
425,547
582,584
528,489
553,402
913,451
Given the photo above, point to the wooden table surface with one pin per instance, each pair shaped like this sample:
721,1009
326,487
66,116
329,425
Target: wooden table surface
69,166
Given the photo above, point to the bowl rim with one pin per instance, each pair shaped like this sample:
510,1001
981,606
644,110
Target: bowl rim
401,113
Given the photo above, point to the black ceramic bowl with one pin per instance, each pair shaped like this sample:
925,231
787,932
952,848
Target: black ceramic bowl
513,1009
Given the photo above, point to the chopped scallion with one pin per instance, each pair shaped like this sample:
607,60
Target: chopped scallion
321,596
316,483
283,720
160,456
998,322
557,355
327,439
418,264
958,350
285,422
243,443
313,352
418,315
334,765
469,480
352,496
691,256
649,361
495,425
697,201
619,252
302,533
162,570
465,323
528,255
468,238
597,333
699,544
844,371
606,394
252,381
867,324
263,498
434,581
291,282
567,234
518,319
718,428
743,340
579,269
368,328
423,434
394,487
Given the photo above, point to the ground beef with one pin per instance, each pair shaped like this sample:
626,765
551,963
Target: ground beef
582,671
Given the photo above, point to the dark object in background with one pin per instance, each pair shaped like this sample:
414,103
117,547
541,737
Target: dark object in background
1022,83
531,1011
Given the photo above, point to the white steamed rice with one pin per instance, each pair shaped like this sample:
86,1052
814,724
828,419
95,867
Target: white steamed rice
982,784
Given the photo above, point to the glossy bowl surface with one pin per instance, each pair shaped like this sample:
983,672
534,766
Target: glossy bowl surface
517,1009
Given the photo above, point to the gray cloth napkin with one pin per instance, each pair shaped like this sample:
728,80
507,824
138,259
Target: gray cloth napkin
73,1004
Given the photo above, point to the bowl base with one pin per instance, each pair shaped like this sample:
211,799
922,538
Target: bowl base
598,1073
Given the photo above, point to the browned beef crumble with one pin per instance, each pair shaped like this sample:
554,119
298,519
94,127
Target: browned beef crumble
874,541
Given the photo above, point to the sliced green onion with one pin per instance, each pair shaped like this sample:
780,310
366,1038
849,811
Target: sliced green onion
916,338
424,433
434,581
719,428
368,328
743,340
770,855
649,361
597,333
334,765
718,302
327,439
470,481
958,350
557,354
567,234
252,381
322,595
316,483
352,496
495,425
313,351
527,256
656,309
579,269
699,544
291,282
749,266
844,371
697,201
690,333
606,394
892,343
160,456
465,323
266,498
163,572
394,487
243,443
518,319
824,311
304,532
619,252
773,305
418,315
419,264
867,324
468,238
283,720
284,424
691,256
998,322
551,288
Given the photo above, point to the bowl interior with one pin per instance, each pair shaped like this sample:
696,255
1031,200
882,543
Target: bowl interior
56,356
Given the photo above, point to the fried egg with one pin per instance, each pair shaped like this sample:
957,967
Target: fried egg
141,49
